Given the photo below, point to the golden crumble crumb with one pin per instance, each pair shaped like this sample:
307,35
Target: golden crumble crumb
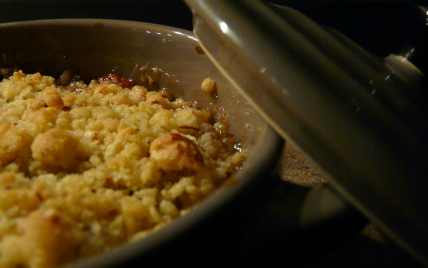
208,85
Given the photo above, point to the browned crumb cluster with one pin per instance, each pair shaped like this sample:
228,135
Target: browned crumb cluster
208,85
87,167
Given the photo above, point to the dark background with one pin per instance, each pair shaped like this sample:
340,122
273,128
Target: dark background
167,12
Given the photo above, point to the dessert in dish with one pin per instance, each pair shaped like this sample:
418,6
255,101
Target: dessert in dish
85,168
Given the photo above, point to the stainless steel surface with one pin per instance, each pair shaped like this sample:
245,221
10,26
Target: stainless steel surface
353,114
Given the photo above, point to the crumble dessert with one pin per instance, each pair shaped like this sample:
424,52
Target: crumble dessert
85,168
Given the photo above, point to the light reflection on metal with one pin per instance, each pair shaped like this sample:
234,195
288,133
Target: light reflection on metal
223,27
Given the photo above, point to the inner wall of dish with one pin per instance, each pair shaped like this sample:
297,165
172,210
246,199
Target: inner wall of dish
97,48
